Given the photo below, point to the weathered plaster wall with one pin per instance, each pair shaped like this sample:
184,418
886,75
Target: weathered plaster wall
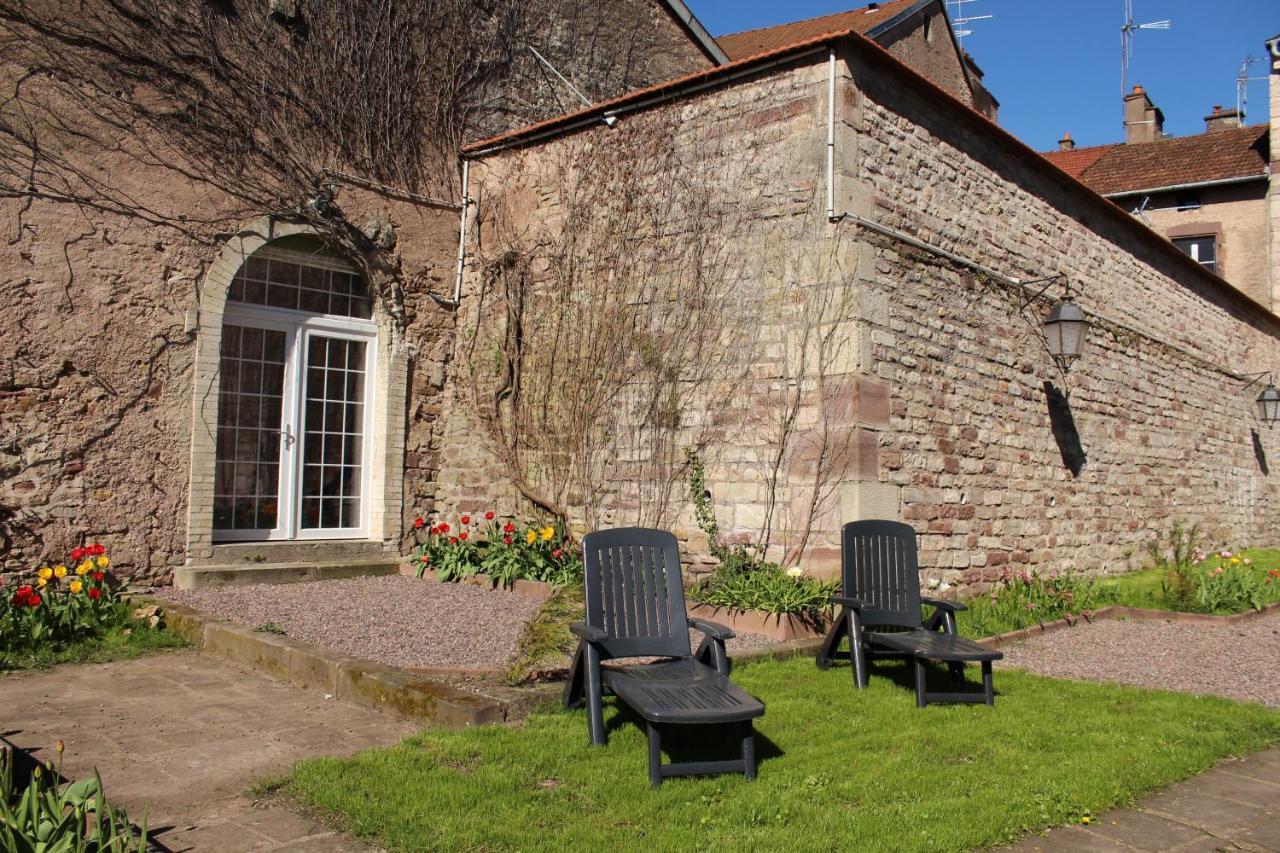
939,396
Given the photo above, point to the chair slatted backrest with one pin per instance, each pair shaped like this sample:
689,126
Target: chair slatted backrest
635,592
880,567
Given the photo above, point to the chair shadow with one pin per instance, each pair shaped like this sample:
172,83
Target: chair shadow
903,675
692,742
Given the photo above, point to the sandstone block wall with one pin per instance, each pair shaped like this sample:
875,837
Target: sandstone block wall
935,404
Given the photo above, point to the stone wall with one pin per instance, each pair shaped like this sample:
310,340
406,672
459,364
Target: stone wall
1236,215
938,403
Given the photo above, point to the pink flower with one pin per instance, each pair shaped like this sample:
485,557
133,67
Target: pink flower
1226,555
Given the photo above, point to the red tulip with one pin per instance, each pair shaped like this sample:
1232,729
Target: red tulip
34,601
557,552
488,516
98,576
453,540
98,550
466,519
418,522
77,553
463,536
95,593
508,528
506,540
444,527
426,558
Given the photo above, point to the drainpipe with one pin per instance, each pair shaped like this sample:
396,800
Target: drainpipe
462,232
831,136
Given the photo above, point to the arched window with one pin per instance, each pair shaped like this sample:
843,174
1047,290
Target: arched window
296,369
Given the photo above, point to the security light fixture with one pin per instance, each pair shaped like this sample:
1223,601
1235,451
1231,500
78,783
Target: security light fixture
1269,400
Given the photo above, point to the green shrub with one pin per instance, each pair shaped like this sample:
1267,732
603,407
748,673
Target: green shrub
504,551
1023,599
1180,579
36,814
767,587
1226,582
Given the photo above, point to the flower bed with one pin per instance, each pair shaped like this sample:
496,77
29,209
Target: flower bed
764,598
502,552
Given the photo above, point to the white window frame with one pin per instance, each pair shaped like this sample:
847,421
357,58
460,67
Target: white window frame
299,326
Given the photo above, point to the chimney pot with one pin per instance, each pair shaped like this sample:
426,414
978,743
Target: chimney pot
1221,119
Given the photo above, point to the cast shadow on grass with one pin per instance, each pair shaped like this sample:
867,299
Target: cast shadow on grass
902,674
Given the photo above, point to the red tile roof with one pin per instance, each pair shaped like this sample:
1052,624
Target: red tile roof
1110,169
748,42
1075,162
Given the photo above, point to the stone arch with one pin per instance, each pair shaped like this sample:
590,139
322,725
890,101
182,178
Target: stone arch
386,452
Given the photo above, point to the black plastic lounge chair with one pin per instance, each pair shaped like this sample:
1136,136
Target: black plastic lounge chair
635,608
882,589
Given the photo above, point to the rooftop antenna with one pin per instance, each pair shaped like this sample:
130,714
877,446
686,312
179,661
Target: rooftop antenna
1126,49
960,19
1242,85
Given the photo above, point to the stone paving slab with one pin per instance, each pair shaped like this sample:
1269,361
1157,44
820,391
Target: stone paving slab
1235,806
184,735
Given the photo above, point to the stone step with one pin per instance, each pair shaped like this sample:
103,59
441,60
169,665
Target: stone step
239,574
294,551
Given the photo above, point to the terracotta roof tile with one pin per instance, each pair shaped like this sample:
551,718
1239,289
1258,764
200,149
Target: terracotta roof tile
1110,169
1076,161
748,42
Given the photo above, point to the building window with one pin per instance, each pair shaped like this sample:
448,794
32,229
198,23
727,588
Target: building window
298,345
1202,250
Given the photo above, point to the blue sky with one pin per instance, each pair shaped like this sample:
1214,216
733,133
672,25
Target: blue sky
1054,65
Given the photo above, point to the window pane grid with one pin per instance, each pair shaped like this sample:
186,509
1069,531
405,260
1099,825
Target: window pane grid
334,433
283,284
250,404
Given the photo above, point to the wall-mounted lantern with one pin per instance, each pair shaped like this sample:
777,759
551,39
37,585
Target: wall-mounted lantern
1065,329
1269,400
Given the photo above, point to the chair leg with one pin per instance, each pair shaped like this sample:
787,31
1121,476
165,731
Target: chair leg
748,751
655,754
827,653
574,687
595,698
988,688
957,672
857,653
921,692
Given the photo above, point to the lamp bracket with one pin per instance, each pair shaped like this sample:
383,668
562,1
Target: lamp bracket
1047,281
1255,378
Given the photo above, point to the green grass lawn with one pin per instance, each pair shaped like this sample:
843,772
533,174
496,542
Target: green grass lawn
115,643
840,769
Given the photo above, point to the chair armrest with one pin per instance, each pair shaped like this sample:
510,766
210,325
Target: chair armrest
953,606
586,632
712,629
846,601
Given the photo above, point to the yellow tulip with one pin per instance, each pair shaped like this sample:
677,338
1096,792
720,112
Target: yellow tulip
103,562
59,572
1235,560
45,573
531,537
40,582
76,586
547,533
84,568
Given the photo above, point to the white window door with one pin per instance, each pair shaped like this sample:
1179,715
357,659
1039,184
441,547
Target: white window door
294,417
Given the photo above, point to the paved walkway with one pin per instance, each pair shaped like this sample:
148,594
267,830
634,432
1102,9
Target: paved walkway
186,734
1235,806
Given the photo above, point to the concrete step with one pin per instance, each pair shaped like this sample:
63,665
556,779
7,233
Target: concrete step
295,551
205,577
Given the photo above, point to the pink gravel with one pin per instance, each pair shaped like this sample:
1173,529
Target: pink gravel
396,620
1240,661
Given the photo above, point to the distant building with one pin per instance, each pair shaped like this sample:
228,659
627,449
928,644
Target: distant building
1207,193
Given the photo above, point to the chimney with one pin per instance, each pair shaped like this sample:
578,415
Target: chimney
1221,119
1066,143
1143,121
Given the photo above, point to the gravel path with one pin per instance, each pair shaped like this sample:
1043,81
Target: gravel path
1239,661
395,620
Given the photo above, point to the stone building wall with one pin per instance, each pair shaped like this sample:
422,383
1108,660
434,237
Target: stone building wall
1236,215
934,406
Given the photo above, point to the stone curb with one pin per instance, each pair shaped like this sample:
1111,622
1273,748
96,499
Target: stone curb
361,682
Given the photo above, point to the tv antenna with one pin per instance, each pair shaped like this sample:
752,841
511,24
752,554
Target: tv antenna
960,19
1242,85
1127,33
